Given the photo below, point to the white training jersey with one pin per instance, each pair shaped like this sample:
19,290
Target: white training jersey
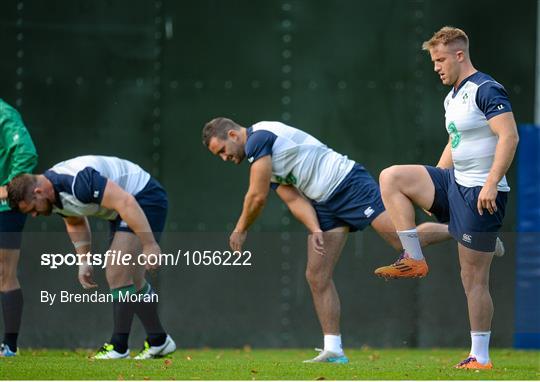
79,183
468,109
298,159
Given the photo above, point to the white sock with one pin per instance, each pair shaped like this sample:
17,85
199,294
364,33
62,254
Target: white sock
411,244
333,343
480,346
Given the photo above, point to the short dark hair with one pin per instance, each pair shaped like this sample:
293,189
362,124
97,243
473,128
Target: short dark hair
20,188
218,127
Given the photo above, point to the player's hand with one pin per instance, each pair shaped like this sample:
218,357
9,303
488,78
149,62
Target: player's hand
237,239
317,242
487,199
86,276
152,252
3,192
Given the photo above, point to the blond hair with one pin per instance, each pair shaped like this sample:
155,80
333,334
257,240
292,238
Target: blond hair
447,36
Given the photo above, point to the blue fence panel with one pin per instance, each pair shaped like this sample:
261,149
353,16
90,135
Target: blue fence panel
527,308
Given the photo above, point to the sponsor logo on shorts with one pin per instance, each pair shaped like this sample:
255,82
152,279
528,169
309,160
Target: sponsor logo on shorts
250,159
466,238
96,194
369,211
123,224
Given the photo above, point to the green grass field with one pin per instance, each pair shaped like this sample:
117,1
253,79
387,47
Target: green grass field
256,364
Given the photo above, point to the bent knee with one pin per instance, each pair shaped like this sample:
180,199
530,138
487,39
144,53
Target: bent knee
7,266
472,279
392,179
389,175
318,280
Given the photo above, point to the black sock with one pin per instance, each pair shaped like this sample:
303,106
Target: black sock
123,312
123,318
148,314
12,306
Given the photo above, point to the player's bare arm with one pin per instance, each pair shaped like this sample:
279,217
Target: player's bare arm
254,200
302,210
115,198
504,126
80,234
445,160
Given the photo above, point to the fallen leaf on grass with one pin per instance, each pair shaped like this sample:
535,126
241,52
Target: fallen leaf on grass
374,357
167,362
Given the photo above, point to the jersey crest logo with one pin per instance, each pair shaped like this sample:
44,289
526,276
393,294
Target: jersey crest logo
455,136
289,179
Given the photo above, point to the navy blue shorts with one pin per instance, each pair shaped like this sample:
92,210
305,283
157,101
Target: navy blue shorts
11,226
154,203
456,205
355,203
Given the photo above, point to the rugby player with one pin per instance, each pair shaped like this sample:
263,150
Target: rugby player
468,188
17,155
135,205
329,193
